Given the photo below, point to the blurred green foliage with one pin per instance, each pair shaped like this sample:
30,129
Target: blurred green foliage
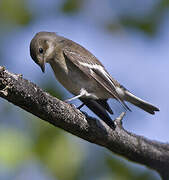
149,24
60,155
15,12
121,171
15,147
72,6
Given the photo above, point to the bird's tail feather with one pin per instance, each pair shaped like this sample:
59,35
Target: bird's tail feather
99,110
140,103
105,105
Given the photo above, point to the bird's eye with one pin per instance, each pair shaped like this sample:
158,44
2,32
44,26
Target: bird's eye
40,50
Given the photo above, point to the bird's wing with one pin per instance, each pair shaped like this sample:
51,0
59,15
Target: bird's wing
94,70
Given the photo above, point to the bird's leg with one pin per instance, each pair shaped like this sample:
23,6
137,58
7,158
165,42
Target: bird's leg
73,98
82,93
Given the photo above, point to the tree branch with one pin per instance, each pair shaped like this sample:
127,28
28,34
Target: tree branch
31,98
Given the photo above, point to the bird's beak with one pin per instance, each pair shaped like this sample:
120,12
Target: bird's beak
42,66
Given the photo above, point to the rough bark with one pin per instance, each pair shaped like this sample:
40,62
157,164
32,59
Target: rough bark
33,99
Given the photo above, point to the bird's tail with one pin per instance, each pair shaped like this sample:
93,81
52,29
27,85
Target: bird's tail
140,103
100,108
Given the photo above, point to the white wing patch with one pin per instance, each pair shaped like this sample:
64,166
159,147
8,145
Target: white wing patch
92,66
101,69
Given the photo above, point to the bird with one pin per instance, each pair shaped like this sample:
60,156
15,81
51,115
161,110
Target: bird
83,75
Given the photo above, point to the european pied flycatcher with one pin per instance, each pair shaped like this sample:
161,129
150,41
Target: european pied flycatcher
82,74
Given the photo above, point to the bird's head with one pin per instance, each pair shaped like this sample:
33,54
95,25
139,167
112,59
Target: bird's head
42,48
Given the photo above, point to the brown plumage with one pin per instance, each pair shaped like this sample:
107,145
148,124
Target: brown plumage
81,73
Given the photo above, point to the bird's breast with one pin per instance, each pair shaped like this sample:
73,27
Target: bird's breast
74,80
